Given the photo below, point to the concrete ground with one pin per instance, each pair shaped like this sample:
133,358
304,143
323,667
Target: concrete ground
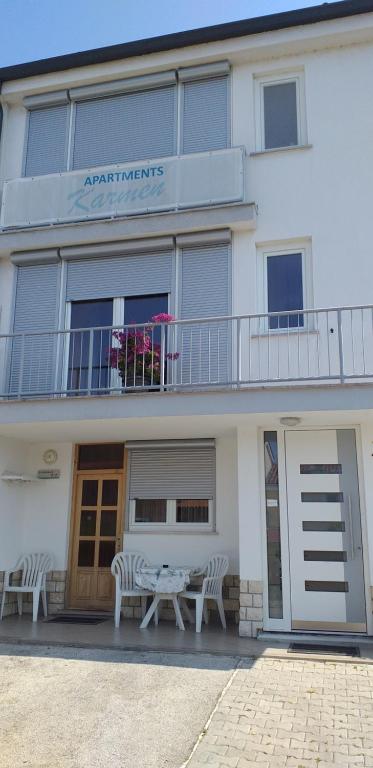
66,708
87,708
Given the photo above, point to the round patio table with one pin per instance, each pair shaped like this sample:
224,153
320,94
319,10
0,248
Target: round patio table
166,584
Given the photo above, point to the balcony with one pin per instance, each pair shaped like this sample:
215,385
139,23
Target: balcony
167,184
296,348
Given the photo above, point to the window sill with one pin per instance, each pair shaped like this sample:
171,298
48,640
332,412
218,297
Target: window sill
281,149
284,332
171,532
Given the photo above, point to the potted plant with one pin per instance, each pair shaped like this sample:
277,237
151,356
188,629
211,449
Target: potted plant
137,356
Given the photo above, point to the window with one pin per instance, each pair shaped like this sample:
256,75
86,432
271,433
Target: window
130,126
125,128
281,112
140,309
284,285
88,352
205,121
171,513
172,487
285,289
46,143
275,600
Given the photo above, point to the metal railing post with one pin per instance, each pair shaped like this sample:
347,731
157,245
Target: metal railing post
340,346
163,355
90,362
238,351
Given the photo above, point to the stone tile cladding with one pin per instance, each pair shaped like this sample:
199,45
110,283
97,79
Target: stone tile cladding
251,608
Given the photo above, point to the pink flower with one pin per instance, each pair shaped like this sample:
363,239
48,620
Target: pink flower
163,317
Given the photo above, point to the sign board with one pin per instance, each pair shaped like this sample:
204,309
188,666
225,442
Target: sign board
187,181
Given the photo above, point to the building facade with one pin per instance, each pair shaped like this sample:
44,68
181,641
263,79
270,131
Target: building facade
186,315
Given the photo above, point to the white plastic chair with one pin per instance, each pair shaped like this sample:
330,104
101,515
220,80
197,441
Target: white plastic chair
212,589
123,568
34,569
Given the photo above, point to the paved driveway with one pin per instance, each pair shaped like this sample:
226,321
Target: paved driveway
292,714
66,708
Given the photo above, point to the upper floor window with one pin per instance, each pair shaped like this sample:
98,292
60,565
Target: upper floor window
125,128
281,112
47,140
285,289
105,125
285,283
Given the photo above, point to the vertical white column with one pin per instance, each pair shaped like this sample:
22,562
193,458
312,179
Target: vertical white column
250,532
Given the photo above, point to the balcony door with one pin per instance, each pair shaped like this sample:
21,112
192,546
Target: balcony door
89,363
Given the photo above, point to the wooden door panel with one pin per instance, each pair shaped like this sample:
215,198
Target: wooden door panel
97,532
84,584
105,586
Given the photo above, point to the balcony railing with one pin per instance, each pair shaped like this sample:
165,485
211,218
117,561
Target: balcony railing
166,184
299,347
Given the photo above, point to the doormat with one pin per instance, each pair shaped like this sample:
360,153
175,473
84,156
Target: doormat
67,618
344,650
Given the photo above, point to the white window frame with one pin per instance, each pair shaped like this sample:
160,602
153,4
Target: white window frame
261,81
170,526
264,253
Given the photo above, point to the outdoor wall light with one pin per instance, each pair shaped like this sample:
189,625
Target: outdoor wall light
290,421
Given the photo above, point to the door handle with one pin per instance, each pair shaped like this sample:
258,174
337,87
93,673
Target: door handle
351,527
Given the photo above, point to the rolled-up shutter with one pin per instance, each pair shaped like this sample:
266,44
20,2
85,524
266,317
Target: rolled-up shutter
206,123
172,473
205,292
125,128
105,278
33,357
47,136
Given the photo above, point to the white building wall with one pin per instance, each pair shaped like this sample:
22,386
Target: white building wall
12,498
46,512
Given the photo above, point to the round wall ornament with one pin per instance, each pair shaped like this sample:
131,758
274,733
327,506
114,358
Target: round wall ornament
50,456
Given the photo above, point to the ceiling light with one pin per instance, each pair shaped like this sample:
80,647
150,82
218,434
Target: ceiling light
290,421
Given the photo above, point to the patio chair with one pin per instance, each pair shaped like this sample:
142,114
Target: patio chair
212,589
123,568
34,569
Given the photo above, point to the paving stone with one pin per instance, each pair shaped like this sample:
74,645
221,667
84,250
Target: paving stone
280,713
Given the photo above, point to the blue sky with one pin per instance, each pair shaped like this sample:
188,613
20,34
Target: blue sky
36,29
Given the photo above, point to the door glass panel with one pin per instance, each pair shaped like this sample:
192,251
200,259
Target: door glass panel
88,353
275,603
108,524
109,493
138,310
325,556
87,523
89,493
326,586
321,497
101,456
335,526
321,469
141,309
106,554
86,556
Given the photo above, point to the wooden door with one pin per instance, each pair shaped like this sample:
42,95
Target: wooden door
97,537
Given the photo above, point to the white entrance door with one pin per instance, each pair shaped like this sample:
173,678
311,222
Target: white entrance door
326,559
